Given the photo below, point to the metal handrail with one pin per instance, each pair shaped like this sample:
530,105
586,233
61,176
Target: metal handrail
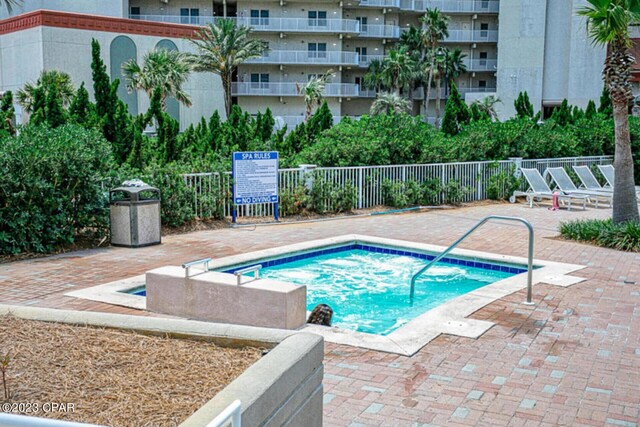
254,268
187,266
232,413
465,235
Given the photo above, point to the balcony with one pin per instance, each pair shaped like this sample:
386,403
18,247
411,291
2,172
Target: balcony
472,36
303,25
293,121
452,6
290,89
481,64
418,93
365,60
380,31
293,57
380,3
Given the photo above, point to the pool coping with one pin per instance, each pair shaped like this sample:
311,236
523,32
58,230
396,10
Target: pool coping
450,317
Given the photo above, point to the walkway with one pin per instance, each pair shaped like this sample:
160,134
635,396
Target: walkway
574,358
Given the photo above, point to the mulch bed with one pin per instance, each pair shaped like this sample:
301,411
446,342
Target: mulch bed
114,378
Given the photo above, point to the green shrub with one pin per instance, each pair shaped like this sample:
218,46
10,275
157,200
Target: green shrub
177,206
624,237
502,184
326,197
294,201
51,187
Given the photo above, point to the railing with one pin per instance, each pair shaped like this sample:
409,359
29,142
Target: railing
529,300
481,64
452,6
290,89
232,413
306,57
365,60
314,25
474,177
380,3
293,121
380,31
472,36
418,93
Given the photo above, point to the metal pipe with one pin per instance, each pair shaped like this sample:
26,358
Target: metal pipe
254,268
465,235
232,412
187,266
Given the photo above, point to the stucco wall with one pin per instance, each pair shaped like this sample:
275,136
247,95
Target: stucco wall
25,53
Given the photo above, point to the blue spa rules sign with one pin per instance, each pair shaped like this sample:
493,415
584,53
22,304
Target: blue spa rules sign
255,177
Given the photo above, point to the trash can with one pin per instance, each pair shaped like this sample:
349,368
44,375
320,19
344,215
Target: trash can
135,215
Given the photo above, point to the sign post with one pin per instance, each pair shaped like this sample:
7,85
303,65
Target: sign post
255,179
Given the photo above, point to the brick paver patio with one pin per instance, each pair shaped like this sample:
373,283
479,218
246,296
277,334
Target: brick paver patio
572,359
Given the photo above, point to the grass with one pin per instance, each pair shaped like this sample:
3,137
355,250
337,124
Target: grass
603,232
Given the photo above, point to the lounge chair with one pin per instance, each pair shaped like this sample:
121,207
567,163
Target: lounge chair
588,180
539,189
609,173
564,183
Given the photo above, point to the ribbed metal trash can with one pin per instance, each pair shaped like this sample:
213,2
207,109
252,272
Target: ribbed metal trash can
135,215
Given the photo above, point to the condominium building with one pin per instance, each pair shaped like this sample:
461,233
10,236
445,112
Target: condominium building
510,45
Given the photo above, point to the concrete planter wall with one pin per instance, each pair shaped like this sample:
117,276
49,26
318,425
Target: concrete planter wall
283,388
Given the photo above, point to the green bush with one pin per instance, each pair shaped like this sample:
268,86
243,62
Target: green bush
502,184
624,237
326,197
51,187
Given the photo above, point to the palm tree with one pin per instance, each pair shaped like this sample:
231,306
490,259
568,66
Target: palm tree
487,105
313,92
373,78
389,103
221,47
449,64
9,4
608,26
412,40
397,69
164,69
436,28
47,79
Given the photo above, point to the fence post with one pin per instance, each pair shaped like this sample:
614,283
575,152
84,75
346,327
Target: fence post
307,176
360,188
517,162
479,179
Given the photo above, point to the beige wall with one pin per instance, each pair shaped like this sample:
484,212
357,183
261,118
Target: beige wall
25,53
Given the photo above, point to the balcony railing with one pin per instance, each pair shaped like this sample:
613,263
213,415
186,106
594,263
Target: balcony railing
380,31
452,6
306,57
480,64
300,24
293,121
290,89
380,3
472,36
365,60
418,93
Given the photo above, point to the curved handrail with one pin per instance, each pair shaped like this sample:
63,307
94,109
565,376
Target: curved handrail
465,235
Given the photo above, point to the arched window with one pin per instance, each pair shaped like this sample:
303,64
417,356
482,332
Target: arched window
123,49
173,106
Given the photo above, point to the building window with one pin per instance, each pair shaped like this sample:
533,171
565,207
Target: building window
134,12
483,59
189,16
259,81
363,23
317,50
362,54
484,30
482,84
317,18
259,17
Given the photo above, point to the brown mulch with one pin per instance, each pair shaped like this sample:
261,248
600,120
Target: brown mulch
114,378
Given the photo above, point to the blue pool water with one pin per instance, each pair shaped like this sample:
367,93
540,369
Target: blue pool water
368,286
369,291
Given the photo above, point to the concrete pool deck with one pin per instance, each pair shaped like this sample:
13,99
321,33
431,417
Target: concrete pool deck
573,358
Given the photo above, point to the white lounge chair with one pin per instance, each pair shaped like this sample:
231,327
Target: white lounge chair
539,189
609,173
589,180
565,184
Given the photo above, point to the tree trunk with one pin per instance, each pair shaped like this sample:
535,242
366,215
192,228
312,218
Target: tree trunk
428,91
625,206
437,123
226,85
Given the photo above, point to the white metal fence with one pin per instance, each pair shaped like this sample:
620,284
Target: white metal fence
367,181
